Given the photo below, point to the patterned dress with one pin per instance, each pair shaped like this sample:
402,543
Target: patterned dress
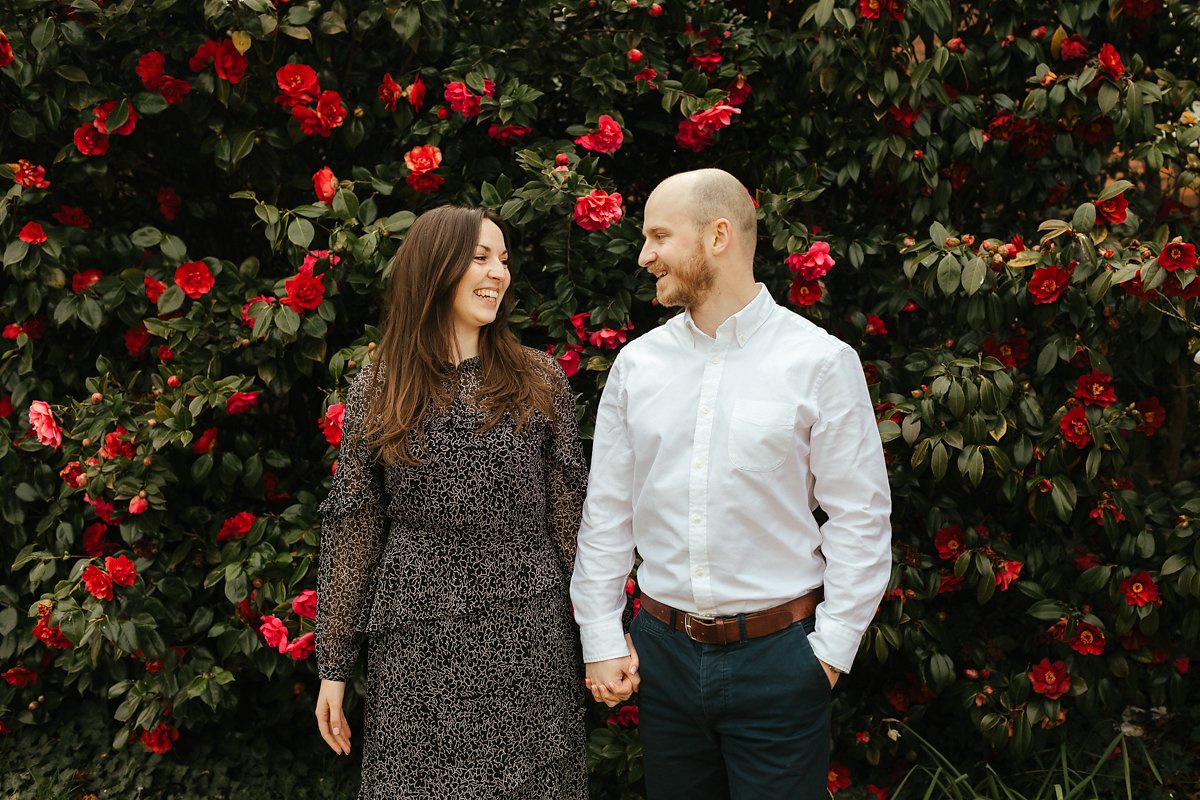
456,574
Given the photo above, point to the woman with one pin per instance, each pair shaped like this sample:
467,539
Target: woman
449,538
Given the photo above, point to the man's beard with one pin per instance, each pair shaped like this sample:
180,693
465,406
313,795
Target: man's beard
689,283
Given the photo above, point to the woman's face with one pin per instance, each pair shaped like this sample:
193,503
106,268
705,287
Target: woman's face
481,289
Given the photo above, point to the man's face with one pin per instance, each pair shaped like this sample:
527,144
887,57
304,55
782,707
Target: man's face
674,254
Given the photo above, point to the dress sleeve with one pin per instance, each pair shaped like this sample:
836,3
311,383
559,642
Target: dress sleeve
566,472
352,538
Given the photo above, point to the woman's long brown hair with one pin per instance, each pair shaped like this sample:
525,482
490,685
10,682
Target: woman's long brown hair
414,356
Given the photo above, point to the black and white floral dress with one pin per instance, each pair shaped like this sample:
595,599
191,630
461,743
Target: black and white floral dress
456,574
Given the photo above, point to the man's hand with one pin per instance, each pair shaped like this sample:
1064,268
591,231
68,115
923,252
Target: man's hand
616,679
330,719
830,673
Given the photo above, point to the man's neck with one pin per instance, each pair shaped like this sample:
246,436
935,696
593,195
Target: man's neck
722,303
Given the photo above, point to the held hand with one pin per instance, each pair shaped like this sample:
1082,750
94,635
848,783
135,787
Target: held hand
330,719
616,679
830,673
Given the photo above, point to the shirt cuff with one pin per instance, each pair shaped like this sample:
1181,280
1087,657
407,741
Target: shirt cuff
602,641
835,644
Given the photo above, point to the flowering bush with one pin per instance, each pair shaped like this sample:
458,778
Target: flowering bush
996,208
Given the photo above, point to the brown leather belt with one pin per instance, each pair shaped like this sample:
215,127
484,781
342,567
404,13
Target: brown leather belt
727,630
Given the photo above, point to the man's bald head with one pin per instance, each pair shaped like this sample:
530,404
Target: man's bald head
706,195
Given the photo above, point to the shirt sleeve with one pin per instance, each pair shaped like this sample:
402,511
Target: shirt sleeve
851,485
606,544
566,472
352,536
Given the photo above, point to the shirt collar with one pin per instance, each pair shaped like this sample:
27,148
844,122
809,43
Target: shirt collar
743,324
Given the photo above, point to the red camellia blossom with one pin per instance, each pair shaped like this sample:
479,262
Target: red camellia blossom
607,138
838,778
236,526
298,85
304,292
390,92
137,339
6,51
1153,415
93,540
138,505
122,570
325,184
1098,131
73,475
1140,590
229,64
803,292
709,63
1048,283
1140,9
150,67
1110,62
949,542
1095,389
173,90
321,121
598,210
161,739
423,159
1007,573
241,402
45,427
1114,210
331,423
813,264
648,75
51,636
154,288
1177,255
90,141
1050,680
205,442
607,338
416,93
203,56
903,118
875,326
247,317
872,9
1012,353
626,717
169,203
1088,639
302,647
462,100
305,604
19,677
1074,426
97,582
194,278
507,133
82,281
274,632
101,113
28,175
72,216
424,181
32,233
1074,48
569,360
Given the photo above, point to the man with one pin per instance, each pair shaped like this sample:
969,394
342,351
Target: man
718,435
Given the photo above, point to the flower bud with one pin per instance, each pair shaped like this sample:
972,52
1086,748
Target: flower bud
173,381
152,422
953,241
371,347
351,364
634,55
633,3
968,239
561,159
148,461
1038,32
918,154
1182,521
909,241
656,10
358,112
86,442
956,45
1049,78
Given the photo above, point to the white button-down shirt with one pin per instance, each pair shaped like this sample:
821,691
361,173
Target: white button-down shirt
710,458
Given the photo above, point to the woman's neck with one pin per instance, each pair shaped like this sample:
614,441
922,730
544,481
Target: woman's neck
466,345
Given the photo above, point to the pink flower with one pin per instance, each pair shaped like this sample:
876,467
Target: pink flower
274,632
41,418
305,604
607,138
598,210
607,338
813,264
331,423
302,648
138,505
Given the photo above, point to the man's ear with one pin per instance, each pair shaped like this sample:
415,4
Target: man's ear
721,236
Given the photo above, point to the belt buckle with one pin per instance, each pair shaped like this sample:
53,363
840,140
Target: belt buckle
699,619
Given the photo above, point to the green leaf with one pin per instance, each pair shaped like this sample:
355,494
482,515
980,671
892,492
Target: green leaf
1084,219
148,236
1107,97
300,232
973,276
1113,189
287,320
1173,564
173,248
949,274
170,300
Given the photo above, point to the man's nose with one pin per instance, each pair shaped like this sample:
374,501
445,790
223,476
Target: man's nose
646,257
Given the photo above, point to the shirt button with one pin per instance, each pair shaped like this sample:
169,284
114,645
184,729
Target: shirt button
715,360
705,410
699,572
699,463
697,519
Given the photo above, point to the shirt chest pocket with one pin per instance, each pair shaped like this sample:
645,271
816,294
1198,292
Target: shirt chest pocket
760,434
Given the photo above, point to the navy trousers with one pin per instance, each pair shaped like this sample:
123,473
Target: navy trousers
744,721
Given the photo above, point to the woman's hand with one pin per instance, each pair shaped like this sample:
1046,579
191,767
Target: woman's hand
330,719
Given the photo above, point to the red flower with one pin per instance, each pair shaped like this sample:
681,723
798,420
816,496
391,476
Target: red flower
1074,48
598,210
1074,426
305,604
904,117
194,278
1114,209
1097,131
711,120
706,63
1095,389
739,91
1153,415
1048,284
877,793
236,526
1177,255
101,113
137,339
1050,680
241,402
648,75
228,62
875,326
1140,589
416,93
6,51
29,175
949,542
1012,353
274,632
52,637
98,582
90,141
165,353
839,777
813,264
203,56
302,647
205,442
298,85
1088,639
169,203
172,89
73,474
6,406
328,114
19,677
390,93
1140,9
424,181
423,159
160,739
1110,62
1007,574
331,423
805,293
247,318
72,216
607,138
138,505
462,100
304,292
150,67
626,717
122,570
507,133
325,184
81,281
154,288
32,233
